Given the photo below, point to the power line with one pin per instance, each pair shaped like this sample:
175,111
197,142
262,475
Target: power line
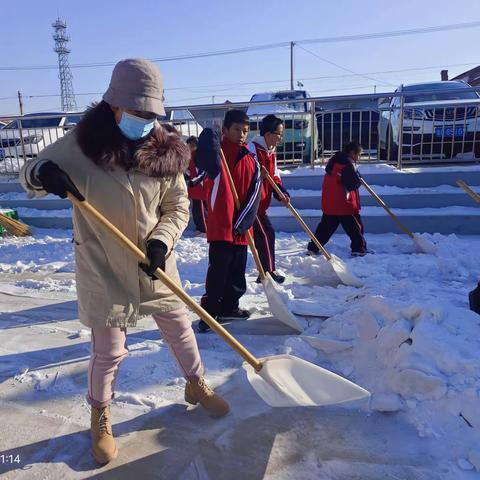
344,68
345,38
230,85
394,33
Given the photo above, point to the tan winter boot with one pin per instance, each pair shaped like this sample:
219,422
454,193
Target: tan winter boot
104,448
197,391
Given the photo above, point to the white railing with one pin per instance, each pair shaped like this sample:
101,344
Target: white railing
389,126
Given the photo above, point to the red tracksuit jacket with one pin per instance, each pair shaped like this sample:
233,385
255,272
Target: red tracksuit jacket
224,222
340,186
269,161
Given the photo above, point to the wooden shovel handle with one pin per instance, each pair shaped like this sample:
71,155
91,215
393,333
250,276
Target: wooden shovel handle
250,241
296,214
178,291
384,206
468,190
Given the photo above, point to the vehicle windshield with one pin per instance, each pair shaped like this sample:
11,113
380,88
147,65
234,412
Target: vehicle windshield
446,94
72,119
280,108
36,123
181,115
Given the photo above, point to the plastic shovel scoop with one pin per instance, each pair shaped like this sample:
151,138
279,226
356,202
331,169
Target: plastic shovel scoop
277,306
289,381
423,244
342,271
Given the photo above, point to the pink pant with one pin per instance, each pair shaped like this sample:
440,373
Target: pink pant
109,348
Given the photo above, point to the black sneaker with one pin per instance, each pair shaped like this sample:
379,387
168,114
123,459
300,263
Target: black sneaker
236,314
275,276
362,254
203,327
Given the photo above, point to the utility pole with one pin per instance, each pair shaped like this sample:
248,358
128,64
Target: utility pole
20,103
292,44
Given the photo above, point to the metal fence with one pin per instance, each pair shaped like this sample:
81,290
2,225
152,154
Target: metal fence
24,137
391,128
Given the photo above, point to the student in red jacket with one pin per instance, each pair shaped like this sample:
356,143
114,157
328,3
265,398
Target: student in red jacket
341,201
263,145
226,225
196,191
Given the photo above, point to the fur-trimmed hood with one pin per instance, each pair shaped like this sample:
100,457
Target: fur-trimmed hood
161,154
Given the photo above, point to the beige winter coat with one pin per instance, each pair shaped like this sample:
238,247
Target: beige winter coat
112,290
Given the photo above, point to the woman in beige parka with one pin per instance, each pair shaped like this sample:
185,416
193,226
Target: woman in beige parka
130,168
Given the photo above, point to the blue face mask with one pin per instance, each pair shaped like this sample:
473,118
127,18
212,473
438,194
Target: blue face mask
134,127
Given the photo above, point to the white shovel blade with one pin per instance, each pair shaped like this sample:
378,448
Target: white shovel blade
425,245
289,381
342,272
277,306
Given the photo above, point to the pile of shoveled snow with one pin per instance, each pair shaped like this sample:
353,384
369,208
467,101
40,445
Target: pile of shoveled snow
408,336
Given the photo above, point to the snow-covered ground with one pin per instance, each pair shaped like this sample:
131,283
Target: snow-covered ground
379,211
407,336
369,168
379,189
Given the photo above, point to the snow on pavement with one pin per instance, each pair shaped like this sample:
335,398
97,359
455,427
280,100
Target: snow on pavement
382,168
407,336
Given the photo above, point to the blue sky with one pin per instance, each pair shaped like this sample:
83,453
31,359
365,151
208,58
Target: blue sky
110,30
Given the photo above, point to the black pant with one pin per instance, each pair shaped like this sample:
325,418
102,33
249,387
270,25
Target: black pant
199,214
225,282
264,236
353,226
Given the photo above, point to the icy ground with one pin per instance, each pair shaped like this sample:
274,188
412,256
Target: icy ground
407,336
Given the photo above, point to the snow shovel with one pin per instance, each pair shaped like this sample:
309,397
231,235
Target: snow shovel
468,190
336,263
283,380
277,306
422,243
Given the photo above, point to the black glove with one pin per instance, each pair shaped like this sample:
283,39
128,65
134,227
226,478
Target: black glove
277,196
156,251
55,180
193,182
